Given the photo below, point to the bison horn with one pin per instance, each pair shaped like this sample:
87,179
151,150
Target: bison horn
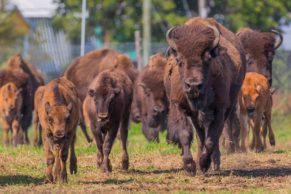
217,37
278,41
168,35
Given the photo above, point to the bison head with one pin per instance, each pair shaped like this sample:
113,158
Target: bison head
104,93
156,104
58,117
11,99
193,47
260,49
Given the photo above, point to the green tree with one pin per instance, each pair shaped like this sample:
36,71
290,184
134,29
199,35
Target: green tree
117,19
263,15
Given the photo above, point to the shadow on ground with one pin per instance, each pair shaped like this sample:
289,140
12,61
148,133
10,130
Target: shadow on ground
19,180
256,172
109,182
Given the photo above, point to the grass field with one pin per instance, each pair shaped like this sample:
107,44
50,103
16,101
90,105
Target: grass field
154,168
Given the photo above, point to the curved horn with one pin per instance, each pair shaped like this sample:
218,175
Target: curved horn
278,42
217,37
168,34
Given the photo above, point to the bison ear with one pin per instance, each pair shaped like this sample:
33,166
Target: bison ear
273,90
116,90
91,92
258,88
47,107
70,107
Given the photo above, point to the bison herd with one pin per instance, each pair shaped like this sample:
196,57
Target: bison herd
210,79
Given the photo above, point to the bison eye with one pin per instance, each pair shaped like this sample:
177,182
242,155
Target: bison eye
50,120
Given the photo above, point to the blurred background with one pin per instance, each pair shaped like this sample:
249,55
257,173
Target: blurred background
48,32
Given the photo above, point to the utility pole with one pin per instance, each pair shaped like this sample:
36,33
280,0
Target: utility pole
202,8
146,30
138,49
83,26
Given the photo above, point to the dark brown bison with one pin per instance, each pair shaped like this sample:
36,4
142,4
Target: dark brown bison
84,69
10,112
255,102
205,71
150,100
58,114
107,108
17,64
260,48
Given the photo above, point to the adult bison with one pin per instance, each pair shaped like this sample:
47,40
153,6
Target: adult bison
205,71
260,48
84,69
150,104
58,115
16,64
107,108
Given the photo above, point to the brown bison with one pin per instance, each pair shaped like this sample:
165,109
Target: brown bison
255,102
260,49
84,69
205,71
151,97
10,111
107,108
58,112
17,64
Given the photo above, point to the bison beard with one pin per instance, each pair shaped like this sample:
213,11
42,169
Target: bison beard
205,72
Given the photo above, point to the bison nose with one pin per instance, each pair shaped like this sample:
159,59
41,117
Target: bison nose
191,86
11,108
102,116
251,111
60,134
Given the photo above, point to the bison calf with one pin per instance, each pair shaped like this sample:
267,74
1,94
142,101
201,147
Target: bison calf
58,114
255,102
10,111
107,107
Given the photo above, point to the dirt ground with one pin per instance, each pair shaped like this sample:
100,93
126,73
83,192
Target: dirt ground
155,173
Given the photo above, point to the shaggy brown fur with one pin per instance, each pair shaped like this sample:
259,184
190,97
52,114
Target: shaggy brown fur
154,105
10,112
58,115
255,102
35,79
204,75
84,69
107,108
260,50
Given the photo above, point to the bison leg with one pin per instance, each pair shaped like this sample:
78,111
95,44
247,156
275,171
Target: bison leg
271,132
63,159
37,129
73,158
264,131
124,135
108,142
50,160
6,129
180,126
99,143
212,142
256,133
25,123
15,130
243,131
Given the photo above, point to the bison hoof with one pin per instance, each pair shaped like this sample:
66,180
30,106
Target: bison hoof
125,164
49,179
272,142
204,162
189,166
107,168
73,168
259,149
216,167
